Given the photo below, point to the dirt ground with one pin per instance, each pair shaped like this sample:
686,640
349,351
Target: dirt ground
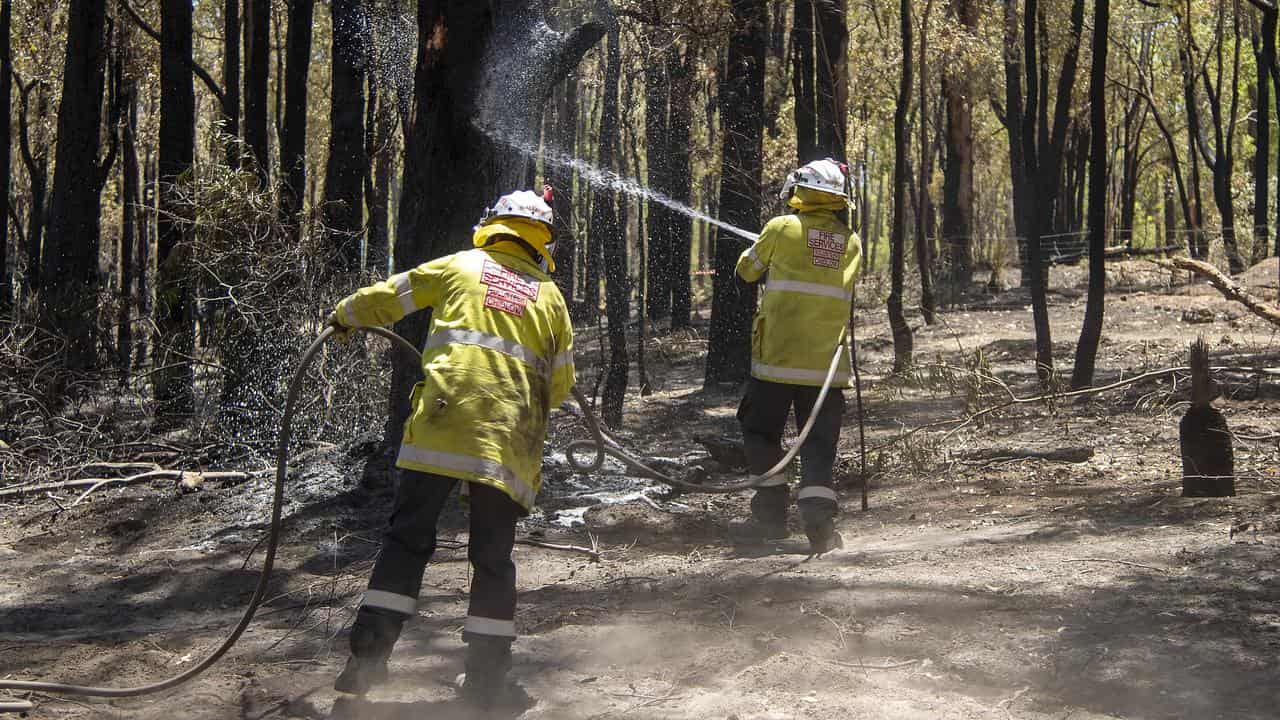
975,586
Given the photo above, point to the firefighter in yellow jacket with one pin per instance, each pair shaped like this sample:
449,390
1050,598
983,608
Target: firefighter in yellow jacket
811,260
499,356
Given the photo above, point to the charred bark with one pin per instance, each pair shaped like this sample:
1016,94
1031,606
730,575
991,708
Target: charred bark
231,78
608,231
957,190
293,129
680,71
658,152
345,171
902,340
70,275
1208,461
1091,332
175,317
6,147
257,70
742,125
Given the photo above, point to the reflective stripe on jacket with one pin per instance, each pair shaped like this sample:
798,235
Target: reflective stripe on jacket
812,260
499,357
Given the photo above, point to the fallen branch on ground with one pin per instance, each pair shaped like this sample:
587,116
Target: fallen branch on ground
1066,454
95,483
1229,288
593,554
1118,562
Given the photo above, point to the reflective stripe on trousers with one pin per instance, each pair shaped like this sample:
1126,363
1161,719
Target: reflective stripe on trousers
395,602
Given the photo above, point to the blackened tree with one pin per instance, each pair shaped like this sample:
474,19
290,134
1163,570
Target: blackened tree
742,125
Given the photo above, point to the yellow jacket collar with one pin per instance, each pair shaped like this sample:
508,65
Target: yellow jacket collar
535,233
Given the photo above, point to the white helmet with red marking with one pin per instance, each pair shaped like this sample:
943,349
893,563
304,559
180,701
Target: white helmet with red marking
826,176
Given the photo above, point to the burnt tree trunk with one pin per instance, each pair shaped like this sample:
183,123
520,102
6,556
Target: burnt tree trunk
1208,460
1266,61
130,237
293,128
175,311
742,125
345,171
802,82
606,229
35,155
380,149
957,189
924,210
563,139
257,70
70,274
1091,332
902,341
658,153
231,79
680,70
831,36
6,145
476,107
1013,118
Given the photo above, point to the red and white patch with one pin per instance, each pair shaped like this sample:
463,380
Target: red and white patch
507,291
827,248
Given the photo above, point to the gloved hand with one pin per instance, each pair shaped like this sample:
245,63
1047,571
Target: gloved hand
341,332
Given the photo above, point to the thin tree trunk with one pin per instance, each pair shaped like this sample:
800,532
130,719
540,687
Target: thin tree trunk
6,147
957,192
611,236
742,125
257,71
293,130
902,340
1266,61
563,138
231,79
175,316
382,130
659,155
831,33
130,202
1013,119
345,171
924,251
802,82
680,70
70,274
1091,332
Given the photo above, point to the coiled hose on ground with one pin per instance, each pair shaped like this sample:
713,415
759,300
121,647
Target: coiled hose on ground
601,443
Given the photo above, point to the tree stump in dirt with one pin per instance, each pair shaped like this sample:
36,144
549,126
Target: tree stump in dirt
1208,464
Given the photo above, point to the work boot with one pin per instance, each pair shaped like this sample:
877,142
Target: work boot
823,537
361,675
486,686
373,635
769,512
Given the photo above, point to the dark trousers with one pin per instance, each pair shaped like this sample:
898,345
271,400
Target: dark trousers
409,544
763,416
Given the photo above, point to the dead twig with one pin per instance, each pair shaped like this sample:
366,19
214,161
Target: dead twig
1118,562
94,483
594,554
1229,288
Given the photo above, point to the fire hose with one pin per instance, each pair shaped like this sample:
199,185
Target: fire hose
602,443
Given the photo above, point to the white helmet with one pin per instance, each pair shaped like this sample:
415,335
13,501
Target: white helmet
522,204
826,176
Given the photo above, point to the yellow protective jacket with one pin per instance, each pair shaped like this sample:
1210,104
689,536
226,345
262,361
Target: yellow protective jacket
812,260
499,357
